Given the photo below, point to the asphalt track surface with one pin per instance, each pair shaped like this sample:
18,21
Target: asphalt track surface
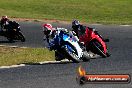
63,75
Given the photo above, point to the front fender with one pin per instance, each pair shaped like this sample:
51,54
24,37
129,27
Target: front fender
76,47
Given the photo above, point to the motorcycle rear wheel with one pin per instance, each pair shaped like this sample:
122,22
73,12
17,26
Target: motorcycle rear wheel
57,56
85,57
10,39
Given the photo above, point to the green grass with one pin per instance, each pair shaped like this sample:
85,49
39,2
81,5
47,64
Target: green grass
90,11
12,56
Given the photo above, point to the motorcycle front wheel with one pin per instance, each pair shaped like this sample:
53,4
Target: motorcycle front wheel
21,37
71,55
97,48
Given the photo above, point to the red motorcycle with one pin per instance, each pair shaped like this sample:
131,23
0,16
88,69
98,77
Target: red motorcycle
94,42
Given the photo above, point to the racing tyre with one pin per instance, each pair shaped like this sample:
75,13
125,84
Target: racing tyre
85,56
58,56
10,39
21,37
98,49
72,55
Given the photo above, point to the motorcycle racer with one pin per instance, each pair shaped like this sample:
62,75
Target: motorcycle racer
54,38
50,33
79,29
4,22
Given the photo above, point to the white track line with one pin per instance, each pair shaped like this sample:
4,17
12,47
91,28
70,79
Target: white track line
125,25
2,45
52,62
45,62
13,46
12,66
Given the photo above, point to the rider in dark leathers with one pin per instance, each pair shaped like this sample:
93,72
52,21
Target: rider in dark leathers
4,22
80,29
7,26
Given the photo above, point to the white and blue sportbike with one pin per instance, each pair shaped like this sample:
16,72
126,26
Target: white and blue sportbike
66,46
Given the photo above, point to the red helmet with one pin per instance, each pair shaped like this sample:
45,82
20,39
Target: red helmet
47,27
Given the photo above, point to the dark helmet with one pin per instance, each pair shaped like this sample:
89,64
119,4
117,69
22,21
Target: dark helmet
75,24
5,18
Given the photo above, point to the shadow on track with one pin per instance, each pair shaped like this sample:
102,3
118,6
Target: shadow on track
6,42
